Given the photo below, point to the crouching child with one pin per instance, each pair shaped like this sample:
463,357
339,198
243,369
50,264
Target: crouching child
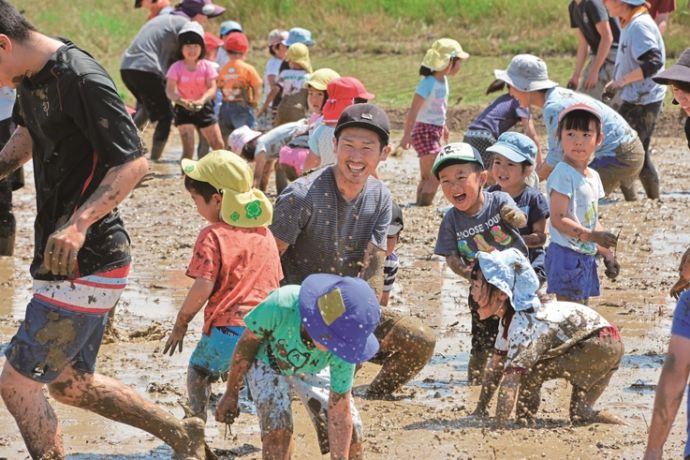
306,339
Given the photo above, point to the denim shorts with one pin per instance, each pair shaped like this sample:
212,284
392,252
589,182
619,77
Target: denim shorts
213,353
51,338
571,274
234,115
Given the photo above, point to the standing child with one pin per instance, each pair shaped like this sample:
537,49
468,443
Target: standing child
574,190
426,121
191,86
277,50
293,102
514,157
235,265
240,84
478,221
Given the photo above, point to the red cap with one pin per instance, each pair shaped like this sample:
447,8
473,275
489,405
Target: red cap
211,41
236,42
341,94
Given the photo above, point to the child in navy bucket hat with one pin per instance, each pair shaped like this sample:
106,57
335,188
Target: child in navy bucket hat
307,339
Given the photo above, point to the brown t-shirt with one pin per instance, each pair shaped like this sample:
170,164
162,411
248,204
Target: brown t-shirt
243,263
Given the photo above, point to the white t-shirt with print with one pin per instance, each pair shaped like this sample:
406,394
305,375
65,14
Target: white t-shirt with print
584,194
292,80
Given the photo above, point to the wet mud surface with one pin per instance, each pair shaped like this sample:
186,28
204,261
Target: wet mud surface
431,416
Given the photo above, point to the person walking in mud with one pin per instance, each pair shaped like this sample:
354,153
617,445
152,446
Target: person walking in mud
537,343
87,158
336,220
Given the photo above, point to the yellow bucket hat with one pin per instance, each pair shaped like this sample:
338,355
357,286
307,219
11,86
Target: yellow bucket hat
299,54
320,78
242,205
439,55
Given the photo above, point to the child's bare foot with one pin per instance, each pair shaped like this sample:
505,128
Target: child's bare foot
601,416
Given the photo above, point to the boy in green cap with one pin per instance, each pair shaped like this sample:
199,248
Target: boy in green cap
235,264
478,221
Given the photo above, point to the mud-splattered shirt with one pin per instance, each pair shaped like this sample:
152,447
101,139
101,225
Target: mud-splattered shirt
277,323
486,231
243,264
327,234
583,193
80,129
545,333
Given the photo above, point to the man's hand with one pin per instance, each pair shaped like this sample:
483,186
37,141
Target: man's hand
62,248
227,409
513,216
613,268
591,81
604,238
175,339
573,82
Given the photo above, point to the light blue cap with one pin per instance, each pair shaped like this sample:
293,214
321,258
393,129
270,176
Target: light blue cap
511,272
229,26
298,35
515,147
634,2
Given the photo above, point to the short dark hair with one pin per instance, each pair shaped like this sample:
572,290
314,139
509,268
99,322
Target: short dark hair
184,39
13,24
204,189
578,120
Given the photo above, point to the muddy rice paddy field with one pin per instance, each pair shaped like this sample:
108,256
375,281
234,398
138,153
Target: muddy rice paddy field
431,416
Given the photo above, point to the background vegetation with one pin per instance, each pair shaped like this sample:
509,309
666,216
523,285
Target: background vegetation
379,41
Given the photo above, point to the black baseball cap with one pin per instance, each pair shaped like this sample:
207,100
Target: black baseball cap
367,116
396,224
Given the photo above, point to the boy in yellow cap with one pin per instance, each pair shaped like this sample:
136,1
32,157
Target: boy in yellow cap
235,264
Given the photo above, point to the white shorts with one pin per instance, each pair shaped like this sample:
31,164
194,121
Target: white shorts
272,397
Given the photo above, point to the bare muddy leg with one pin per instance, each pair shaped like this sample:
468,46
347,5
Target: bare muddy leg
198,392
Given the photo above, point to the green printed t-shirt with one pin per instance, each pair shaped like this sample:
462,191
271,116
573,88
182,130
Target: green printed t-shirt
276,322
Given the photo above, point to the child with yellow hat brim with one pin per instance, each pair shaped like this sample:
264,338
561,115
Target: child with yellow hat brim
235,264
425,124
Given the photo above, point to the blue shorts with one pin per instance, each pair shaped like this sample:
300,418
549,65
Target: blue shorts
51,338
213,353
571,274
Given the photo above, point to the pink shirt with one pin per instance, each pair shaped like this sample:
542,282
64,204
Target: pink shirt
192,84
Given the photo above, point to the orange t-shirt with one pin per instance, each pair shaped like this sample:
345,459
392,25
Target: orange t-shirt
244,264
237,80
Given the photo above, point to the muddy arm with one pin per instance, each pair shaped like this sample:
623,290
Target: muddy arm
372,268
669,394
339,425
493,372
458,266
16,152
506,397
196,298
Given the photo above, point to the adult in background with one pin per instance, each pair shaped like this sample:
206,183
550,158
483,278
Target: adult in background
336,220
155,7
87,158
597,36
145,64
661,10
618,159
641,55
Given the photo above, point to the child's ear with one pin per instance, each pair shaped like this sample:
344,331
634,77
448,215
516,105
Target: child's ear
483,177
601,138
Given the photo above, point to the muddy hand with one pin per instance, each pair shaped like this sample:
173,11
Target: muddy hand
613,268
605,239
175,339
513,216
227,409
62,249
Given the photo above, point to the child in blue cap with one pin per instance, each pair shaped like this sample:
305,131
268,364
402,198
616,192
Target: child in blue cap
306,339
513,159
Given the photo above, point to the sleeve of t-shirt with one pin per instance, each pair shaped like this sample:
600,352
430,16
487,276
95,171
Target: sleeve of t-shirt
253,77
313,141
446,241
205,261
644,39
342,375
596,11
681,316
211,71
272,67
390,271
291,213
600,186
425,86
538,207
525,354
266,317
18,117
104,120
559,182
380,235
555,153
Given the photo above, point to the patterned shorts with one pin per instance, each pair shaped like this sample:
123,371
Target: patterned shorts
426,139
